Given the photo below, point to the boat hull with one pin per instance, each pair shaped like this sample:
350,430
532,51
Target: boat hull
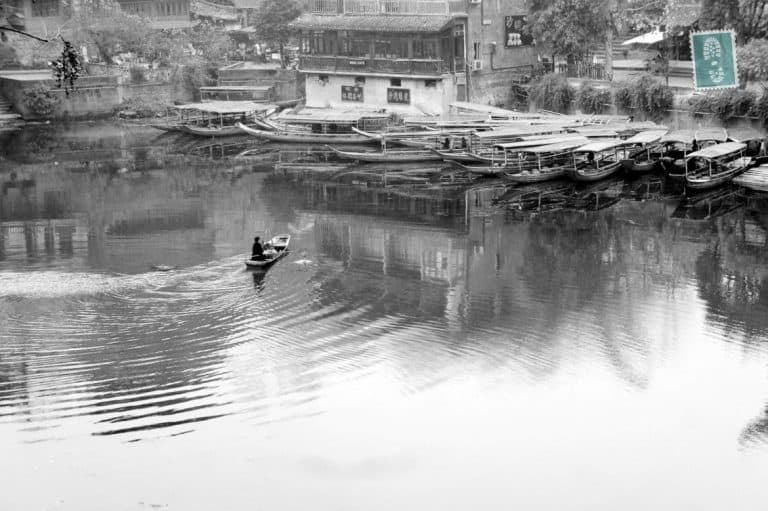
227,131
481,170
306,138
387,157
590,177
536,177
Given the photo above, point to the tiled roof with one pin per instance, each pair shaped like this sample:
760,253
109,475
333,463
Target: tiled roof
374,23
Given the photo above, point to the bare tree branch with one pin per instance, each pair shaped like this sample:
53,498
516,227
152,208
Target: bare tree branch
11,29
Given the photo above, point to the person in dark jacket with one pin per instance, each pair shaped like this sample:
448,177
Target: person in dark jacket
257,251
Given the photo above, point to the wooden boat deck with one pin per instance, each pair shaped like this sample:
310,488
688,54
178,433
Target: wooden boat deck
754,179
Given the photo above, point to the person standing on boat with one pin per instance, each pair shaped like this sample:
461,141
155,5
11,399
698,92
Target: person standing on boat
257,251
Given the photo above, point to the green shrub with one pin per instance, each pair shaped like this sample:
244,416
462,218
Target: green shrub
593,100
193,76
552,92
646,96
41,102
724,104
145,107
760,108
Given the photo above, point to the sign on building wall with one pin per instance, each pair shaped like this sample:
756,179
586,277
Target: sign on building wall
515,33
351,93
714,60
399,96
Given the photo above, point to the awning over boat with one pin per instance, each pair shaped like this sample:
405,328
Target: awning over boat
649,38
745,134
226,107
558,147
596,132
646,137
322,116
540,142
519,131
714,134
596,147
718,150
680,136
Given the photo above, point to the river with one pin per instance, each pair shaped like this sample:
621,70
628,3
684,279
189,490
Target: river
455,351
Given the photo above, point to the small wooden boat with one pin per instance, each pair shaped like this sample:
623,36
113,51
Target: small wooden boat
754,179
542,163
643,151
597,160
482,170
171,128
386,155
457,155
706,137
715,165
276,249
306,137
213,131
755,140
675,146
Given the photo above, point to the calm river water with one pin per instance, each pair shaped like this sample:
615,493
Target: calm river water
411,353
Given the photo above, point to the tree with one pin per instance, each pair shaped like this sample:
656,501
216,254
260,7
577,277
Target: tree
754,20
717,14
66,68
272,22
570,27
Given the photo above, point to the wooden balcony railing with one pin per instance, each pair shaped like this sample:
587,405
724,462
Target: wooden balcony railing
429,67
392,7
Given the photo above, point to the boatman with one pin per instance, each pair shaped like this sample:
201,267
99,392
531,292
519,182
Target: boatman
257,251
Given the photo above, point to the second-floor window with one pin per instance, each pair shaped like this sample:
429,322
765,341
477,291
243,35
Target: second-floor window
45,8
425,49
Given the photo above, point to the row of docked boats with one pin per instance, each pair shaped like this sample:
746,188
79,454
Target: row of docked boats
704,159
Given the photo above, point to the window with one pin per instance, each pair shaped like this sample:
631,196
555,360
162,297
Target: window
45,8
430,83
425,49
395,82
355,44
359,80
323,79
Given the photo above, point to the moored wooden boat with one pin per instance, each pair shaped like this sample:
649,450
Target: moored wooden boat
542,163
596,161
754,179
279,249
643,151
306,137
481,170
386,156
675,146
715,165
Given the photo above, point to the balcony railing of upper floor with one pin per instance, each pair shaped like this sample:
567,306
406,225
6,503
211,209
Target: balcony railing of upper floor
425,67
392,7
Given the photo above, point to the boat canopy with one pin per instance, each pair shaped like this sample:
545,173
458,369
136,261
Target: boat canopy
718,150
646,137
604,145
226,107
558,147
596,131
745,134
573,141
323,116
517,132
713,134
680,136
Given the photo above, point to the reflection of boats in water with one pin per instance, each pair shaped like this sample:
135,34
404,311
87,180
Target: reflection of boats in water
599,195
279,249
707,205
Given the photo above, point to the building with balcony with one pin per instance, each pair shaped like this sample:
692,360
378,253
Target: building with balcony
416,54
406,55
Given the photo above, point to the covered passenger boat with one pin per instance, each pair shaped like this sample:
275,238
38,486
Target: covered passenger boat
541,163
216,118
675,147
715,165
643,151
597,160
706,137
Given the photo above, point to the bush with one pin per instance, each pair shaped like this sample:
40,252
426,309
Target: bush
646,96
193,76
760,108
552,92
753,60
138,74
593,100
724,104
143,107
41,102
